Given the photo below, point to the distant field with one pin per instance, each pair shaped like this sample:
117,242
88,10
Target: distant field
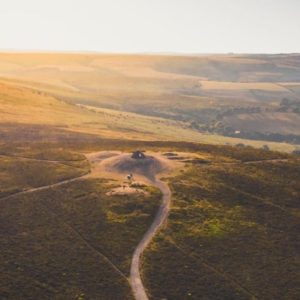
27,106
24,105
221,85
196,90
279,122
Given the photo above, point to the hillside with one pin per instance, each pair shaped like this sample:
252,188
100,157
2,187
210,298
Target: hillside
22,105
227,203
211,93
209,211
29,106
232,233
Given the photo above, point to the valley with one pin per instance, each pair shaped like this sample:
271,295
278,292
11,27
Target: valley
205,97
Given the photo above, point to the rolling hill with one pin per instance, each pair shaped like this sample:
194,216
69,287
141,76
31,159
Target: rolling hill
238,96
210,212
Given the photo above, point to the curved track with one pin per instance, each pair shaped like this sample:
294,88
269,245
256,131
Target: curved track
44,187
161,216
135,279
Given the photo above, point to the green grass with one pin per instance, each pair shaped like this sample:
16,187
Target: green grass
57,243
233,231
232,234
227,218
17,174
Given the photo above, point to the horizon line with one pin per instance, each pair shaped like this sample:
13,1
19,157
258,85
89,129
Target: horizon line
171,53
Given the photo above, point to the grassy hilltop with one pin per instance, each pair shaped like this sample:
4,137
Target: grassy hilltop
232,231
229,215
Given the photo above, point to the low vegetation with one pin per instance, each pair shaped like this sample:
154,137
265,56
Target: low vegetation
232,234
233,230
72,241
75,242
19,174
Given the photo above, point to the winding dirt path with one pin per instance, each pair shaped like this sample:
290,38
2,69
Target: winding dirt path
116,164
96,159
98,170
136,283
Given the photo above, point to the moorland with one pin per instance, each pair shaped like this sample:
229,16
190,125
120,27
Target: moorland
225,131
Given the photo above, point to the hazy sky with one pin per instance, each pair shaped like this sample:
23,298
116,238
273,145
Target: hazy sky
187,26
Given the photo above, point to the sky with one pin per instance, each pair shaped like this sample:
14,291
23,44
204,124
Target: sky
139,26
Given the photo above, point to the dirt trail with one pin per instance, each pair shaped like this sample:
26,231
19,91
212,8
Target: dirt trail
116,164
161,216
44,187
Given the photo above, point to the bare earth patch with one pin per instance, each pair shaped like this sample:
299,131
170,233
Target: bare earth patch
116,165
126,190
